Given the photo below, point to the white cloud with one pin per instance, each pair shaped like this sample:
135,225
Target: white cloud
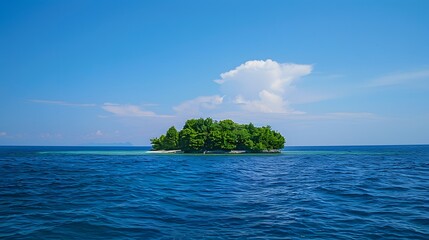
261,86
267,103
99,133
126,110
195,106
399,78
123,110
62,103
2,134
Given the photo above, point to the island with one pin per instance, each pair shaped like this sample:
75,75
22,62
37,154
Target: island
209,136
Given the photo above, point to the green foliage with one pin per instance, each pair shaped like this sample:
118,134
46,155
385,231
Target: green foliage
170,141
190,140
157,143
200,135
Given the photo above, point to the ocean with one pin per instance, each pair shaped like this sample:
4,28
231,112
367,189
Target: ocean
359,192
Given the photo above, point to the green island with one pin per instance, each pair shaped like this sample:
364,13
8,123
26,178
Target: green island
209,136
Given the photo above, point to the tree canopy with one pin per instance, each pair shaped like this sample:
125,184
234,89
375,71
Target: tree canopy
201,135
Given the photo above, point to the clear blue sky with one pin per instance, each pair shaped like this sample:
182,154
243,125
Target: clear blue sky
320,72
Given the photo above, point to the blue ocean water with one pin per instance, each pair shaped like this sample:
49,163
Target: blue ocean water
376,192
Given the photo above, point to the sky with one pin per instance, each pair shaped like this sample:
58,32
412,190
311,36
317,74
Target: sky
121,72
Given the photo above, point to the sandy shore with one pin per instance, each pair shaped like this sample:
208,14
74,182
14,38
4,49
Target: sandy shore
166,151
213,152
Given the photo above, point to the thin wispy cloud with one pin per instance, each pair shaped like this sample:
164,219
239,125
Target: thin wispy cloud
51,135
350,115
128,110
400,78
198,105
63,103
248,116
334,116
305,97
2,134
121,110
150,104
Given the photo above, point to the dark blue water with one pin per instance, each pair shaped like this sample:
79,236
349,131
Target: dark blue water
126,193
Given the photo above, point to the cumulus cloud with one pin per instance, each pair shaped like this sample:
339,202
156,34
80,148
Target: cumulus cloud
199,104
127,110
261,86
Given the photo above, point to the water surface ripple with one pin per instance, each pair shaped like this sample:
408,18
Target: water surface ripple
304,193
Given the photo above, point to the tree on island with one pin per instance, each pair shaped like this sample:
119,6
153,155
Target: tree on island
169,141
201,135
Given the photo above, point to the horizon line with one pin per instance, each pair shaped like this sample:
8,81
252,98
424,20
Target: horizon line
130,146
